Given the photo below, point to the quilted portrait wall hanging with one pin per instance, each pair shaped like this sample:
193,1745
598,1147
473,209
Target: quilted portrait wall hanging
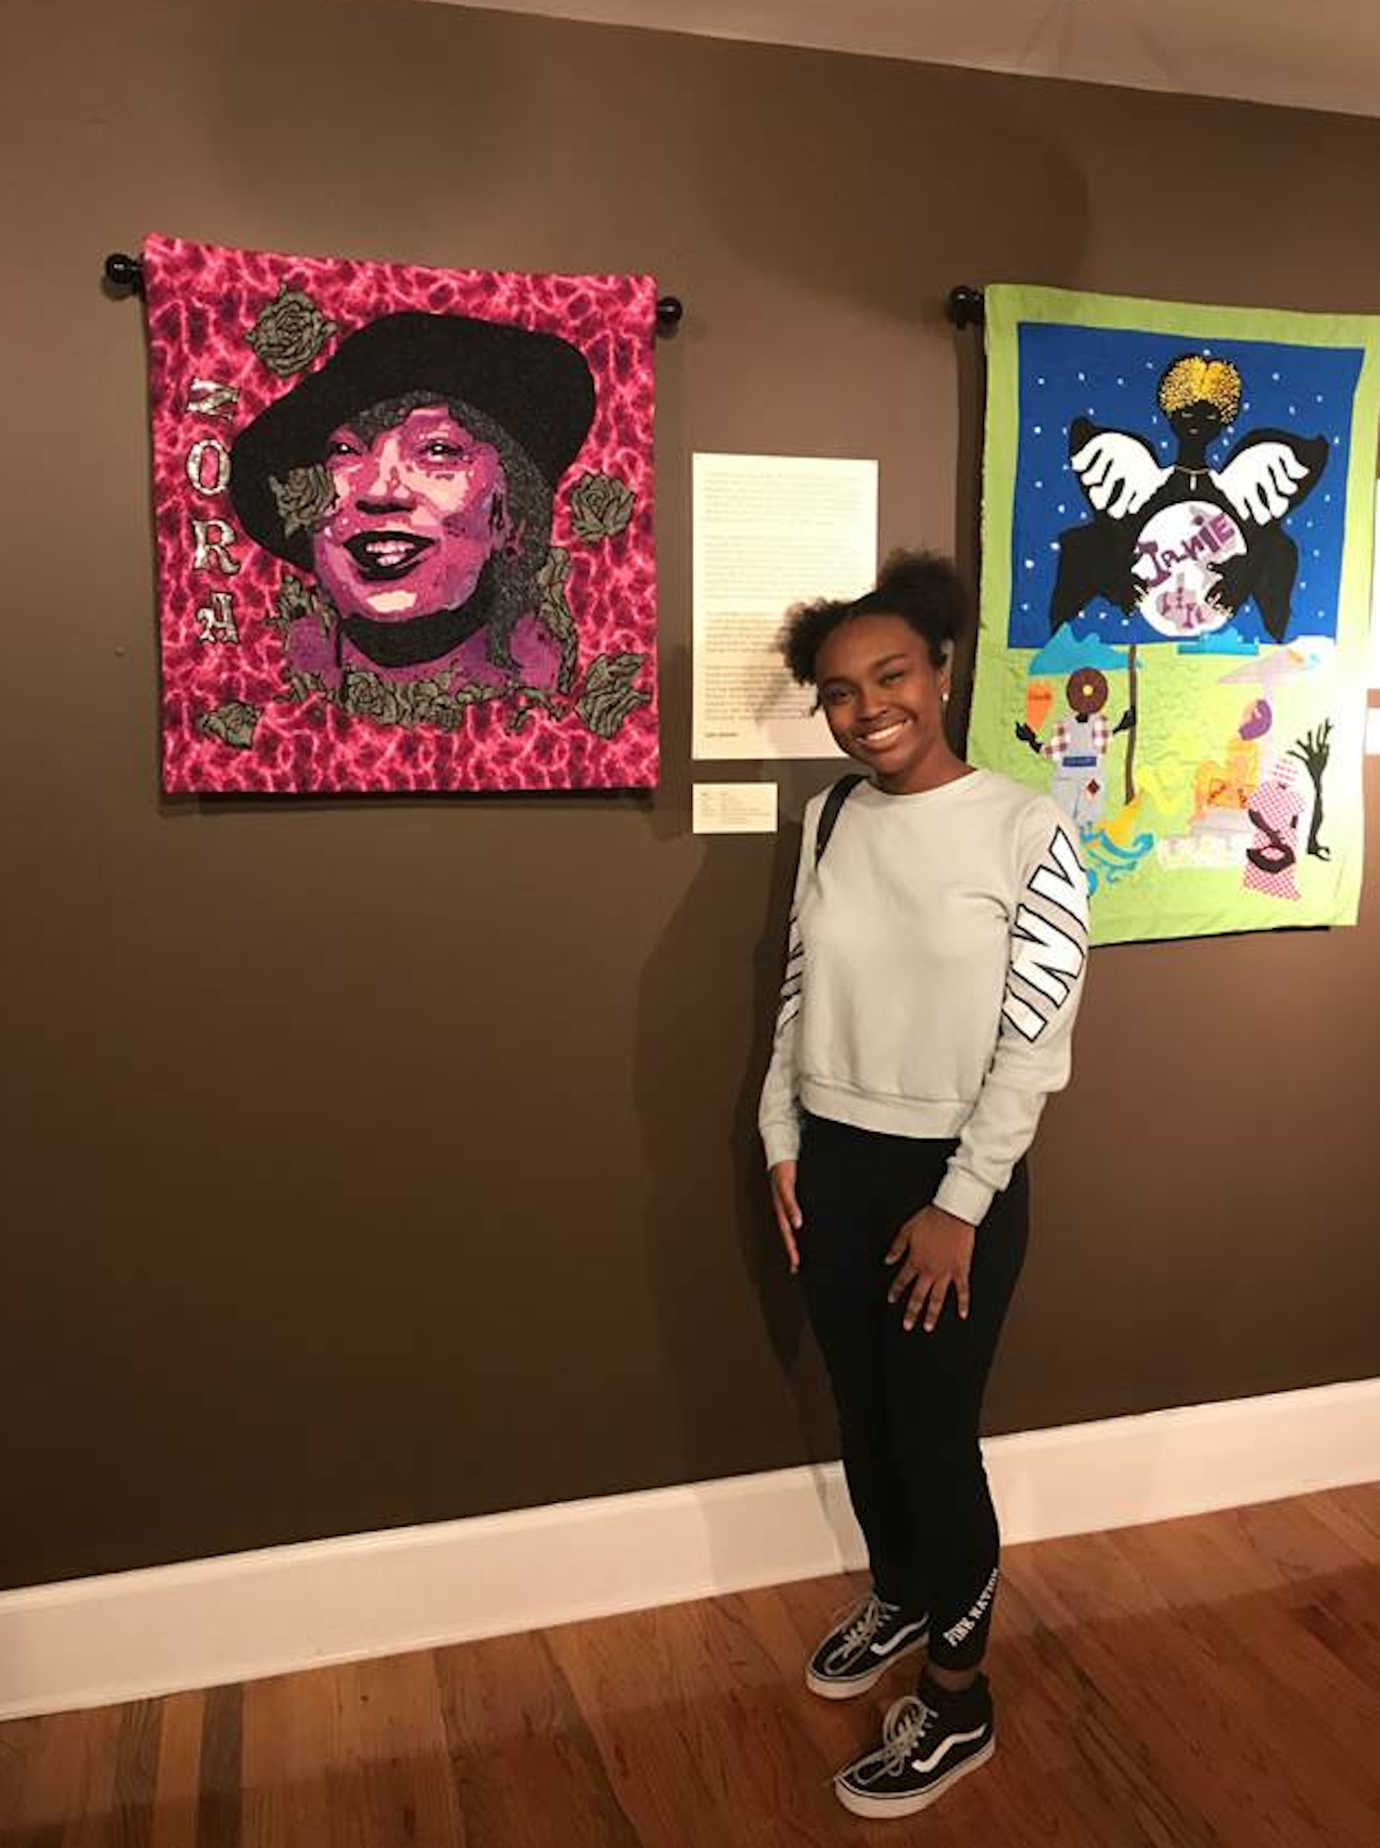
404,525
1178,510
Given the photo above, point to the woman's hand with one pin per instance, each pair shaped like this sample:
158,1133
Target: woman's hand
788,1216
938,1250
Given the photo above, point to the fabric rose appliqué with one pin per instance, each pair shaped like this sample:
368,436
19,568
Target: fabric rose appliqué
233,724
365,696
600,506
304,498
609,695
290,332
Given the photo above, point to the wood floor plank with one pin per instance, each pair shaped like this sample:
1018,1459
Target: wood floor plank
396,1784
68,1781
354,1754
644,1725
1073,1761
1354,1515
293,1752
1343,1615
176,1797
526,1769
19,1741
1328,1574
1290,1541
91,1794
1207,1558
774,1765
1214,1713
1363,1500
136,1775
648,1711
219,1800
1132,1669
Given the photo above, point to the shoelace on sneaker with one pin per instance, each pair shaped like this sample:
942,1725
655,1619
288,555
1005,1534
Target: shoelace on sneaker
871,1615
906,1723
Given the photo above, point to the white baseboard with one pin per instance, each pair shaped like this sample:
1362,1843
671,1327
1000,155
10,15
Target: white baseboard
134,1635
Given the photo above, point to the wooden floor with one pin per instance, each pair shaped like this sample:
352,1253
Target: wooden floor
1209,1681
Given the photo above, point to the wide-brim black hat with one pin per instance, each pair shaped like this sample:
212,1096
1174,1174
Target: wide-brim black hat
538,386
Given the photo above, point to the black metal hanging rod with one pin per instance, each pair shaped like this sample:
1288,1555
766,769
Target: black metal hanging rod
965,306
126,273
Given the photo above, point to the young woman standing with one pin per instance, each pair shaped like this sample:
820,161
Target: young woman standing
935,960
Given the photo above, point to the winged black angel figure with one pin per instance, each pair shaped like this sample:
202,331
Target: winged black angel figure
1229,535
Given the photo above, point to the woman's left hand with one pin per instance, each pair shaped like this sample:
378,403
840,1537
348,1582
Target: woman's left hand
938,1251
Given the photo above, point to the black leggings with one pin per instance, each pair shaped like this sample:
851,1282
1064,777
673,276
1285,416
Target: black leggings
909,1404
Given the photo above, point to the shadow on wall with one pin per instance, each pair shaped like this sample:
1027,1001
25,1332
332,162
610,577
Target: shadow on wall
970,380
336,125
853,193
715,1270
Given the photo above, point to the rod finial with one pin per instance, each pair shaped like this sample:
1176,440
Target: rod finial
965,306
124,272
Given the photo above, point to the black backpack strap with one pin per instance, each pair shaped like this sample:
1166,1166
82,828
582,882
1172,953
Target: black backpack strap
829,814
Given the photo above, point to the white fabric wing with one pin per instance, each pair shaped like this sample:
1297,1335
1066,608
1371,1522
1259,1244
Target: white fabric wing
1118,473
1262,481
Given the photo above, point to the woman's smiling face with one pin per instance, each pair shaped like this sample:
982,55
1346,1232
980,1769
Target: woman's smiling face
882,695
418,513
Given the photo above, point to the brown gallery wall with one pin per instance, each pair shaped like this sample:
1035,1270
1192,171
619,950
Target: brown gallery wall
378,1162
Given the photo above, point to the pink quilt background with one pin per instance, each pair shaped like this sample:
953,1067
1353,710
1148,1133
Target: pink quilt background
202,302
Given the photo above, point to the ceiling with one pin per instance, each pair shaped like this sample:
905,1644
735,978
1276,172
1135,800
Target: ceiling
1322,54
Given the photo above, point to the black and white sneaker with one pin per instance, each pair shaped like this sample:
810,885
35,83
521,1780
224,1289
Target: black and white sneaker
854,1656
925,1748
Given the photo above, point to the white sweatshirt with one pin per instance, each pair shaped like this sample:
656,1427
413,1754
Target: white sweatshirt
933,972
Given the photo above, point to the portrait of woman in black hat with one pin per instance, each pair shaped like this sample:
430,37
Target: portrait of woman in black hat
413,477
